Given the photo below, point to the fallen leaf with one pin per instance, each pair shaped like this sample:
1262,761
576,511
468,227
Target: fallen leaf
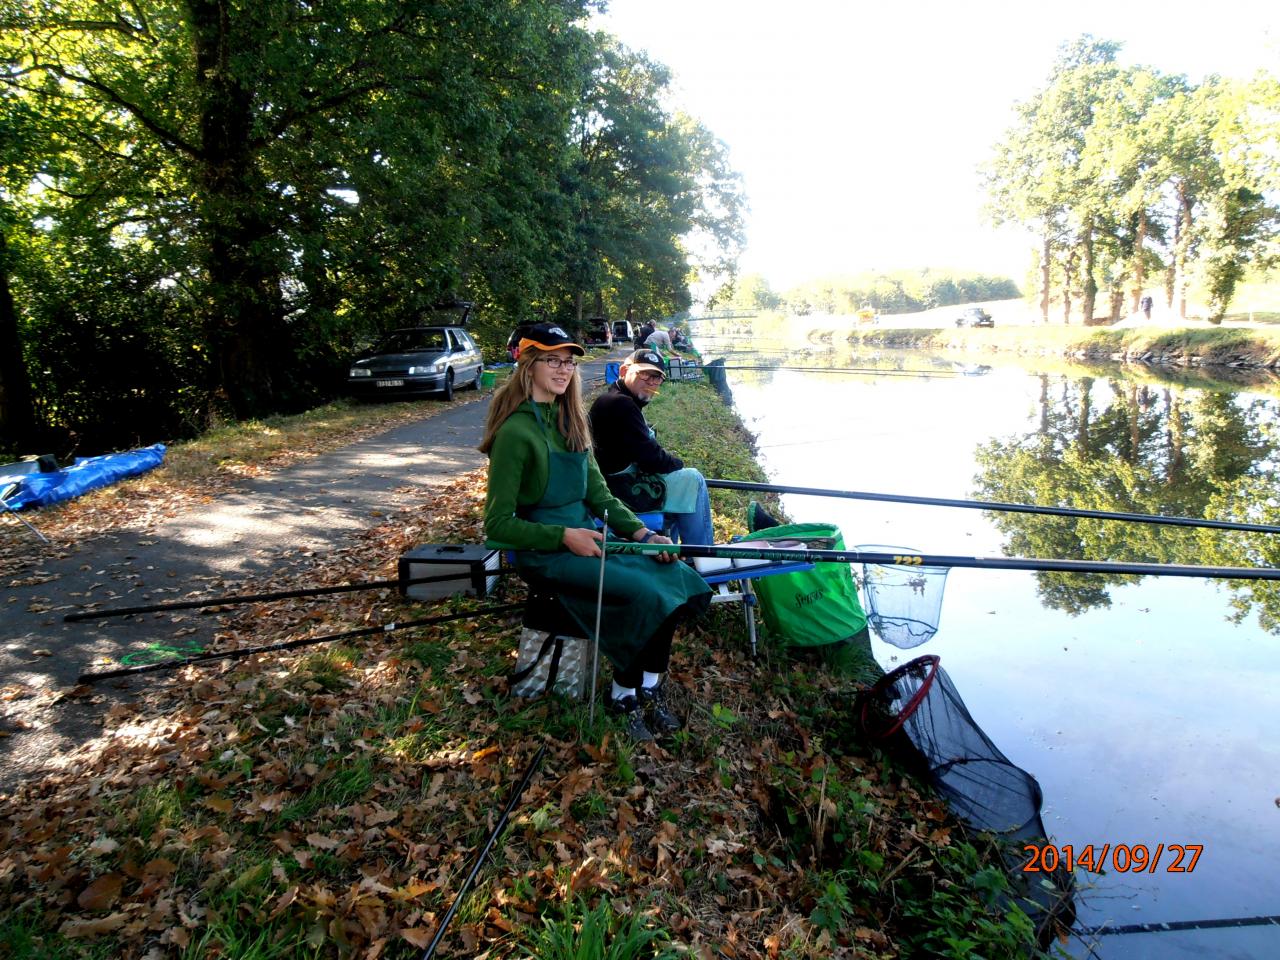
322,842
75,929
102,893
418,936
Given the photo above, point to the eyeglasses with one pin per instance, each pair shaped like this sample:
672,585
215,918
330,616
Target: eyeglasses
555,363
650,377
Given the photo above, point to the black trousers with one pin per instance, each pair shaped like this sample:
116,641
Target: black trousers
654,658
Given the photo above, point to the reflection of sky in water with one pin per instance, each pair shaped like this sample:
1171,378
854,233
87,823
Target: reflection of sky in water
1152,721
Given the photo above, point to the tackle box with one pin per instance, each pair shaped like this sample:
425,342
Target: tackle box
443,559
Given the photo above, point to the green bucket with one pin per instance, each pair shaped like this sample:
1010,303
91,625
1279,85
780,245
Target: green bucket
488,378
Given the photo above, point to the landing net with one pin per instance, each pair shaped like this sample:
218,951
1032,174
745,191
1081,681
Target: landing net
983,788
903,601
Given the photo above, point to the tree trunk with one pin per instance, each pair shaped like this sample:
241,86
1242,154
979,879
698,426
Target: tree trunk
1135,413
1082,418
1181,251
1068,271
17,413
1139,264
1045,254
244,317
1089,288
1177,437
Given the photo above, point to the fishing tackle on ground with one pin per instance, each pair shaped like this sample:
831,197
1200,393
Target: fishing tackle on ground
516,794
293,644
234,599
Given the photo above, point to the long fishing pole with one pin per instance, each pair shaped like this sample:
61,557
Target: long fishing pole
516,794
996,506
233,599
4,496
852,370
792,555
292,644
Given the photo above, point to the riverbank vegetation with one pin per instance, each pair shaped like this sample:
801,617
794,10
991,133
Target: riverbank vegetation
204,210
897,291
1227,347
1139,183
327,803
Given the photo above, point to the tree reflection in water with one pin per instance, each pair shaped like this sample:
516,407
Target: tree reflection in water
1118,445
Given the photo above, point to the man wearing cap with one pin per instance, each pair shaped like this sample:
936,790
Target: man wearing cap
636,467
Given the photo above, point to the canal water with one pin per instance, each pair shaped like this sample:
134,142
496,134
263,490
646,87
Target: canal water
1147,709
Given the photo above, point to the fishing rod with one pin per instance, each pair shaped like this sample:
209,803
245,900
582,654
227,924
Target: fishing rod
233,599
484,851
4,496
852,370
996,506
1171,926
292,644
792,555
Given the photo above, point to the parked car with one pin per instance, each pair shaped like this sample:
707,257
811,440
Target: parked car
596,331
415,360
623,331
513,342
975,317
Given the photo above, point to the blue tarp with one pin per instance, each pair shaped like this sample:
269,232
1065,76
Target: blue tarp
87,473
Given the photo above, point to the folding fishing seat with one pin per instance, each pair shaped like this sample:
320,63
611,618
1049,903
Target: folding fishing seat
732,579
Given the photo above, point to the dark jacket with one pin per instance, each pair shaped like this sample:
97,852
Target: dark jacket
621,436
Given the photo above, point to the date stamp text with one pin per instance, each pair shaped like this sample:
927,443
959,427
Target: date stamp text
1119,857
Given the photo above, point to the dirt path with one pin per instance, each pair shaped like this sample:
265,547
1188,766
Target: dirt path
292,517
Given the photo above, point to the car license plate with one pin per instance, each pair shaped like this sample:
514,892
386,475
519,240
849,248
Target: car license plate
390,383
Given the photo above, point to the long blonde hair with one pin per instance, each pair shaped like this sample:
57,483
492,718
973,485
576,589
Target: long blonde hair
571,420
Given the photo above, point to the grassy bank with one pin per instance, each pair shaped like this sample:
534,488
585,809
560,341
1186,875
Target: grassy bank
1219,346
327,803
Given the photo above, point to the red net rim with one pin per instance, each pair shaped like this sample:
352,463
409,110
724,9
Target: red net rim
929,664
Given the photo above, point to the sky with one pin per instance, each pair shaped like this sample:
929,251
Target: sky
859,127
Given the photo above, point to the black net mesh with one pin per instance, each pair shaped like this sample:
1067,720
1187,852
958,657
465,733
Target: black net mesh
983,788
903,601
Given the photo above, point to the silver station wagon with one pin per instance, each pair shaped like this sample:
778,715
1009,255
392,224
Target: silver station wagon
416,360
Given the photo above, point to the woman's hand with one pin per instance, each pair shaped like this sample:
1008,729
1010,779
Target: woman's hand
582,543
663,557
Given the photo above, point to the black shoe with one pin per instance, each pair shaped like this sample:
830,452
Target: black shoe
660,716
632,712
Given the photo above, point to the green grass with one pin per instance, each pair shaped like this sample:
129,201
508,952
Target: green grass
695,425
25,936
337,787
601,933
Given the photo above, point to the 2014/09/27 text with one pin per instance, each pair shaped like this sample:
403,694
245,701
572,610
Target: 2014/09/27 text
1123,857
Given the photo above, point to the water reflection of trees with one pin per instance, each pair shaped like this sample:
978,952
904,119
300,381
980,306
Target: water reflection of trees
1120,446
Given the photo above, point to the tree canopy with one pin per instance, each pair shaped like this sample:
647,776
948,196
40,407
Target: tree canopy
205,206
1141,183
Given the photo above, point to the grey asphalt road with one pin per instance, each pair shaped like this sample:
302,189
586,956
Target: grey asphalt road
220,546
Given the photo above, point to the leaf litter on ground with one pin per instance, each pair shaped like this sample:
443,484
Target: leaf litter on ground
333,798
